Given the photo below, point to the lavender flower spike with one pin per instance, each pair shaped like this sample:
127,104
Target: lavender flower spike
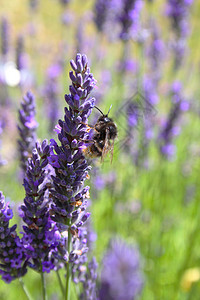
20,62
12,256
5,36
178,13
68,194
101,10
2,161
89,284
71,168
129,18
27,129
170,129
51,92
121,276
40,237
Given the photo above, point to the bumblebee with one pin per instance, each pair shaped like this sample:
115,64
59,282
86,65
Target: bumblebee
105,133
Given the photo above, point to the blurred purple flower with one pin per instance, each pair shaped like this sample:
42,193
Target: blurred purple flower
20,54
27,129
178,13
155,50
85,245
5,36
133,115
100,13
79,265
106,17
99,182
129,18
150,92
169,127
67,18
169,150
2,161
51,94
54,71
121,277
89,283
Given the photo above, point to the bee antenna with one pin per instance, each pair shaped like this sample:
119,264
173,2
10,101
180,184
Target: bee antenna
99,110
109,110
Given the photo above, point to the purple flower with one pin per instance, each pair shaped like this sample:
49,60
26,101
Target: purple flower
101,11
169,128
51,94
155,50
81,42
169,150
8,214
178,12
106,17
20,55
99,182
128,65
89,283
70,165
69,196
80,256
54,71
2,161
46,266
102,180
40,236
121,275
150,92
5,38
130,18
27,129
133,115
12,256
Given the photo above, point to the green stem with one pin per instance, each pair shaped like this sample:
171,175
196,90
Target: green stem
60,283
68,276
26,292
44,295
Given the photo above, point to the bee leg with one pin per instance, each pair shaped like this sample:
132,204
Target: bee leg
91,127
86,141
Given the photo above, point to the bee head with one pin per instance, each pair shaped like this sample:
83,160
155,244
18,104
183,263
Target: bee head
104,119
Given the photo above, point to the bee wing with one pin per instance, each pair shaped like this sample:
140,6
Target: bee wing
106,146
111,151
